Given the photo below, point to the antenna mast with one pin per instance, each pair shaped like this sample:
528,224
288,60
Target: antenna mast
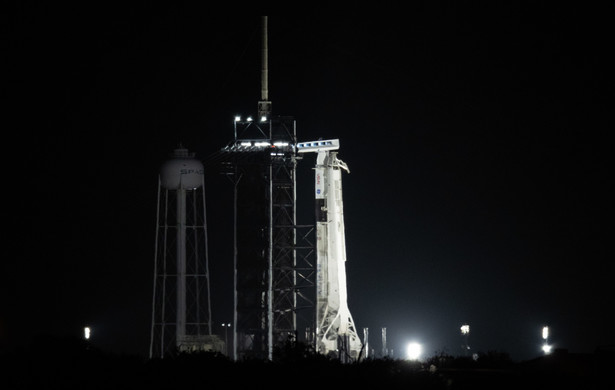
264,105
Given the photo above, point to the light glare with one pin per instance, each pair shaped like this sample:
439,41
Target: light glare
414,351
545,332
546,349
465,329
86,332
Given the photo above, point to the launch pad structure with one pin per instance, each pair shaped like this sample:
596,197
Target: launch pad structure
272,254
283,280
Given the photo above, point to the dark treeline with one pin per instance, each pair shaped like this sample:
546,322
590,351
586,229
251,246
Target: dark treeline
53,363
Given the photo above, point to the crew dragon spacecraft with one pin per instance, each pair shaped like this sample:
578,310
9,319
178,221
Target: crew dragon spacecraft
336,333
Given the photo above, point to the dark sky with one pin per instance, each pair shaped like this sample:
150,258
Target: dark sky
476,139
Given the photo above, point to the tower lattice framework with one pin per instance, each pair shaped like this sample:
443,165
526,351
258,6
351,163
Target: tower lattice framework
274,272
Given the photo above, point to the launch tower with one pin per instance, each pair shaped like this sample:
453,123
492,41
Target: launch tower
274,277
271,256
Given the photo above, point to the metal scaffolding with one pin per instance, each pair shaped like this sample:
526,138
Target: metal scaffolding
274,274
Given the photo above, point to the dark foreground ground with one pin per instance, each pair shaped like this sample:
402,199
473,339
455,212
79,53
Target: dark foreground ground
72,364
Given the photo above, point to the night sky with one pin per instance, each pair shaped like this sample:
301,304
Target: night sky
476,138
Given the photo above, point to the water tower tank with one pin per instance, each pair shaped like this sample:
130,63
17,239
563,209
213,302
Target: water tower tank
181,170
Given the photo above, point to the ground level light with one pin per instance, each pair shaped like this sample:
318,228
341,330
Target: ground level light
414,351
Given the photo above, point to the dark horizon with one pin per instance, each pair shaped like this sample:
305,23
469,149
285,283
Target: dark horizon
476,141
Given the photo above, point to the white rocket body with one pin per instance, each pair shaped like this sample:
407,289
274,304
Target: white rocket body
336,332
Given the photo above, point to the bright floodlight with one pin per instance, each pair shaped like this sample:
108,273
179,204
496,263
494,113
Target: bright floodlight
414,351
546,348
86,332
465,329
237,118
545,332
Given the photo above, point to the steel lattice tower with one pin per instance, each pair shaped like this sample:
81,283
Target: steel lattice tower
274,278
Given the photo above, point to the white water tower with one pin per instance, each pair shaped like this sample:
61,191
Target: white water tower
181,308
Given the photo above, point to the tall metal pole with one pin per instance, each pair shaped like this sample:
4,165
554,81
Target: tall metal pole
164,272
151,342
264,105
181,266
270,271
235,298
264,63
294,178
209,324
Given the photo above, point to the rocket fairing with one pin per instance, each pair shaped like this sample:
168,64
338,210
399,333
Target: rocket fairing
335,330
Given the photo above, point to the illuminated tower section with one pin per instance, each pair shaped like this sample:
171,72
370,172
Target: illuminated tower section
336,333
